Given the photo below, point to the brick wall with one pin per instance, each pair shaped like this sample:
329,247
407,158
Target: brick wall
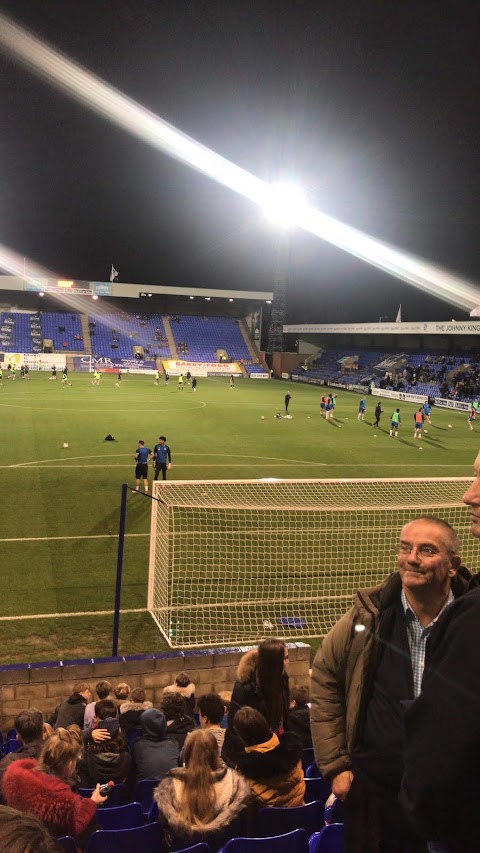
45,685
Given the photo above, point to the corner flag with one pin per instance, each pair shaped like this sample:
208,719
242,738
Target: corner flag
113,274
399,315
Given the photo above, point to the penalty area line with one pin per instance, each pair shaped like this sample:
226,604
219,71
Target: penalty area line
57,538
69,615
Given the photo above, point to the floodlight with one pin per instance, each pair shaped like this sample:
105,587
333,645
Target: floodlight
94,296
284,204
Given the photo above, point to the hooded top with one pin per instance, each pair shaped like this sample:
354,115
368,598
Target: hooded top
155,753
274,771
130,713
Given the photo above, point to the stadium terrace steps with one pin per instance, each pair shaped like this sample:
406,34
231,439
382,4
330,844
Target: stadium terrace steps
170,338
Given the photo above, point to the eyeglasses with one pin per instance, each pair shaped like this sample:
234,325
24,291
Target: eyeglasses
422,550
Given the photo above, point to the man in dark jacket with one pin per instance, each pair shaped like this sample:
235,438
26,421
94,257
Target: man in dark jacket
29,726
440,788
369,666
72,710
155,753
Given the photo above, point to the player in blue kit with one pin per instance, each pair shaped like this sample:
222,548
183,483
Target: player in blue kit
362,408
141,468
162,458
426,412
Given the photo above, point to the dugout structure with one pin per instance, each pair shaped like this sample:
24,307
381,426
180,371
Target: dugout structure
236,561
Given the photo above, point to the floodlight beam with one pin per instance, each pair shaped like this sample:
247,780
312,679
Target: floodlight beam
123,111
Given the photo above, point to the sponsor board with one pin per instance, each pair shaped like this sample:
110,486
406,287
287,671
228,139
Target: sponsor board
174,367
285,376
35,361
405,397
258,375
452,328
104,363
460,405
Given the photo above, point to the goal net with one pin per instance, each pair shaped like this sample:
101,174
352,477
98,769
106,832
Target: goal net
235,561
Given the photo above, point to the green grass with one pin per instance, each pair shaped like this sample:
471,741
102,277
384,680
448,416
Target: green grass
50,491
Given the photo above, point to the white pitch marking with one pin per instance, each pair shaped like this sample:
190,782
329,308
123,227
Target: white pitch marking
68,615
57,538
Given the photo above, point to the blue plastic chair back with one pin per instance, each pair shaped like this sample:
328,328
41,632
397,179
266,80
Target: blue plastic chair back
273,821
334,813
328,840
67,843
11,734
317,789
308,758
117,796
292,842
121,817
147,839
197,848
133,735
12,745
143,793
153,813
312,771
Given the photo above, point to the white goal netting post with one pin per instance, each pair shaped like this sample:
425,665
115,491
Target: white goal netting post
234,561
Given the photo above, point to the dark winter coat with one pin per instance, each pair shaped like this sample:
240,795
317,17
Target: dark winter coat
29,750
104,767
155,753
440,789
52,801
179,729
275,776
299,724
69,713
247,691
188,694
130,713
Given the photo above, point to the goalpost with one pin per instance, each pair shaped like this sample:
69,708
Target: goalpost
234,561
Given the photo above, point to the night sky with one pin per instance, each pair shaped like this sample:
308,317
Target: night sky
371,106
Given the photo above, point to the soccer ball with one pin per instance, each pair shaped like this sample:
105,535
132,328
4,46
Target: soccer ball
450,426
262,417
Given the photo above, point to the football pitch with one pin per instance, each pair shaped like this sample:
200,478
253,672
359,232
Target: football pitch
62,485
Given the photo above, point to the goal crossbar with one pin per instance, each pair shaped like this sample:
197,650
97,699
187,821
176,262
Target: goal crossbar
233,561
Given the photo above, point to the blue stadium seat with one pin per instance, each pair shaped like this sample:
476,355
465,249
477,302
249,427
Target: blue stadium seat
143,794
67,844
133,734
147,839
292,842
312,771
317,789
334,813
328,840
197,848
118,795
308,758
274,821
121,817
12,745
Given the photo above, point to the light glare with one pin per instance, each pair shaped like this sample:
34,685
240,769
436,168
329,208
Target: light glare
135,119
284,205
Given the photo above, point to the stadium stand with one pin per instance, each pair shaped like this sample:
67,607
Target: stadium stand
427,373
65,330
198,338
116,335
